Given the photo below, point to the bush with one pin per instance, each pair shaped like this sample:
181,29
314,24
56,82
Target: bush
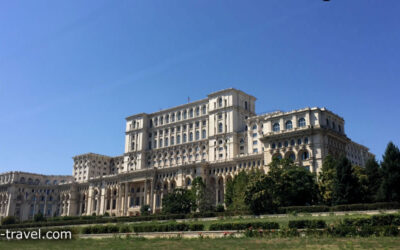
39,217
348,207
243,226
375,220
161,227
196,227
219,208
100,229
145,210
307,224
9,220
124,229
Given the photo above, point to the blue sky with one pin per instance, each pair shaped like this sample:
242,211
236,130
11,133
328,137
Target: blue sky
71,71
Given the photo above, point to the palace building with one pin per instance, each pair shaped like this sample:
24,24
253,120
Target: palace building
214,138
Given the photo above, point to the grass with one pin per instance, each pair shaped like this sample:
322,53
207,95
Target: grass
221,243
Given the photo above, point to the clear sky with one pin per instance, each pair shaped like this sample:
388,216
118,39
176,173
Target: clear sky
71,71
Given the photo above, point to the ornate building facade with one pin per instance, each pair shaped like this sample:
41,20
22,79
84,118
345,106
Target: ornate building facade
213,138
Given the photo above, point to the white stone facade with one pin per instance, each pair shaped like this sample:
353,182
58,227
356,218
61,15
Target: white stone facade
213,138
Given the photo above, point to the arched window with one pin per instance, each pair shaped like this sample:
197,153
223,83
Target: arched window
172,140
184,138
306,140
161,120
245,105
160,143
173,117
273,145
166,142
333,125
191,113
179,116
184,114
191,136
197,111
305,155
22,180
204,109
197,135
276,127
254,126
220,102
292,156
289,125
302,122
220,127
178,139
167,119
188,182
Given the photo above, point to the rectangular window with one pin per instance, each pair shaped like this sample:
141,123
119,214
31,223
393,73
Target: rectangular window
255,150
204,134
255,142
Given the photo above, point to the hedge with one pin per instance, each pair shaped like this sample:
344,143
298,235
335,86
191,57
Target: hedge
79,220
243,226
364,231
375,220
167,227
100,229
349,207
309,224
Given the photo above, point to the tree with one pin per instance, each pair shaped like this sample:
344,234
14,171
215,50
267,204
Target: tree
235,190
390,188
202,202
373,172
259,195
326,180
293,184
178,202
285,184
346,190
362,179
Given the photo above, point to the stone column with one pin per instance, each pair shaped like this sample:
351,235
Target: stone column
119,197
126,199
102,200
90,201
145,192
152,195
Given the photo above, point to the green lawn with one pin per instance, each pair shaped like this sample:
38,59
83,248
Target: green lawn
222,243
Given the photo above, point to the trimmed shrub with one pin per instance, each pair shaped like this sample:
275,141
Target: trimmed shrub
163,227
375,220
100,229
243,226
307,224
196,227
